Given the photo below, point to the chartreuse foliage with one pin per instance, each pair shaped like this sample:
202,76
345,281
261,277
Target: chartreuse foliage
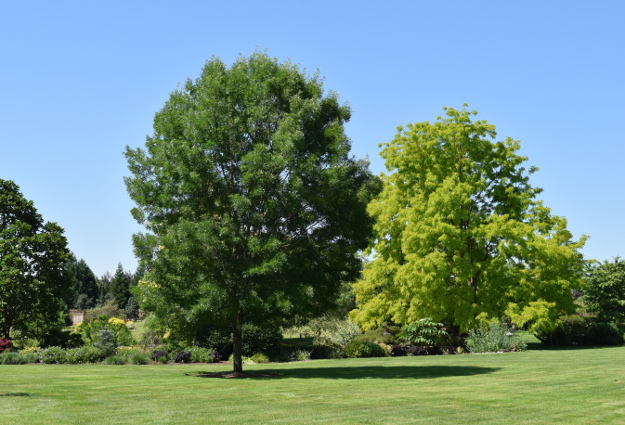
461,235
255,209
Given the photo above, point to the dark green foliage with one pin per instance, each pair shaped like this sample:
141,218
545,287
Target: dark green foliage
254,340
33,281
364,349
182,357
159,355
259,340
59,337
602,333
120,286
215,338
254,208
605,291
85,289
425,332
571,331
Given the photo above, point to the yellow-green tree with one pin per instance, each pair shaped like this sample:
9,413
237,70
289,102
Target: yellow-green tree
460,234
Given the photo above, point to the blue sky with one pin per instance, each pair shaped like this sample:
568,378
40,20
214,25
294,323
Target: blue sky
82,80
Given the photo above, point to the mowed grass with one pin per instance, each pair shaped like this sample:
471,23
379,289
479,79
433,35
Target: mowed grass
575,386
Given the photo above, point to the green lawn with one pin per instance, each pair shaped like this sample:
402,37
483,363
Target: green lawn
581,386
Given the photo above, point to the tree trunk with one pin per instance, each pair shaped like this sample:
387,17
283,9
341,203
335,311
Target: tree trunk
237,343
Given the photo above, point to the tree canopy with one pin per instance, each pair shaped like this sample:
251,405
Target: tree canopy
461,235
255,209
605,290
33,254
85,289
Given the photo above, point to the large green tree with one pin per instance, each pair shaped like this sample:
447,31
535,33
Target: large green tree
120,286
461,235
605,290
33,254
255,209
85,289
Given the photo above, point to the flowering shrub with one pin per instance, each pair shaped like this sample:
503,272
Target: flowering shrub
91,330
53,355
86,354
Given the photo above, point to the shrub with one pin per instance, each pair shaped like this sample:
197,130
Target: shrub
12,358
326,352
5,344
182,357
383,335
121,334
425,332
300,356
105,342
58,337
137,358
31,357
493,337
399,350
603,334
160,356
259,358
202,355
259,340
215,338
86,354
255,340
115,360
570,331
364,349
52,355
246,360
335,332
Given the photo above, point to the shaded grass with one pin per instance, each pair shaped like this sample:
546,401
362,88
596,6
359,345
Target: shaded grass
534,387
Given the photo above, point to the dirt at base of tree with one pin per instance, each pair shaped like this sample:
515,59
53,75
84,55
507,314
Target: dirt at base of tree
232,375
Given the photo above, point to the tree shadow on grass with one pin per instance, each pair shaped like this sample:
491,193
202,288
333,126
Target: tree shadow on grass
358,372
14,395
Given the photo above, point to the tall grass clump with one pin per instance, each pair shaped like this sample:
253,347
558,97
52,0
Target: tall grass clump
493,337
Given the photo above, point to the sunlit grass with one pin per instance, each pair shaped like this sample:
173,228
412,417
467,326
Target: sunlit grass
583,386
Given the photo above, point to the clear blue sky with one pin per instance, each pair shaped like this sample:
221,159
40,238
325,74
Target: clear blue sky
80,80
